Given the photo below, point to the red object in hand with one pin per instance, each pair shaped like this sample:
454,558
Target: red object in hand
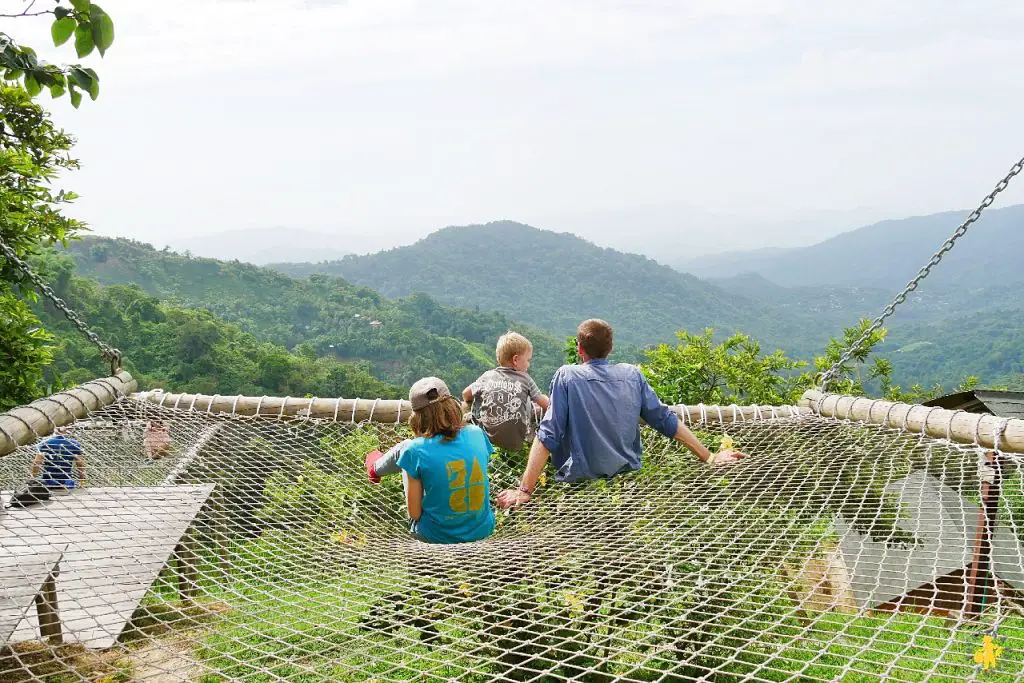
371,459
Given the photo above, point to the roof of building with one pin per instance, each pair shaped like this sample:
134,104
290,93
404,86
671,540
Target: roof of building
998,403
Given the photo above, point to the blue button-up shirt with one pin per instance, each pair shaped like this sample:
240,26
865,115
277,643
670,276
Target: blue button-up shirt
592,425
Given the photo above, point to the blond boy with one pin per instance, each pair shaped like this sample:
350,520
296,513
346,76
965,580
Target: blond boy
503,399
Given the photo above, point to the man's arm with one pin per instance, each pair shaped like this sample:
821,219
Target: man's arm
467,394
549,436
539,455
660,417
542,401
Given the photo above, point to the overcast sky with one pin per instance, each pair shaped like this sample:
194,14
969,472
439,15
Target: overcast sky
381,120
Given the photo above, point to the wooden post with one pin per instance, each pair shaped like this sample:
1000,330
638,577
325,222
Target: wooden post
188,574
391,411
980,579
21,426
938,423
46,608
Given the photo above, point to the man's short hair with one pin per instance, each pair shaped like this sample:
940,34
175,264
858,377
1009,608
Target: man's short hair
595,336
511,344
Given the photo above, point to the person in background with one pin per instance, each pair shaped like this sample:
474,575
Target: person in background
59,463
444,469
592,429
156,441
504,399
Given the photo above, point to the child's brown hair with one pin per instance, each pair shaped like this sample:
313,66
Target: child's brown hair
443,417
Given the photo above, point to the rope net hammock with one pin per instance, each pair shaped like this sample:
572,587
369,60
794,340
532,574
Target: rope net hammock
838,550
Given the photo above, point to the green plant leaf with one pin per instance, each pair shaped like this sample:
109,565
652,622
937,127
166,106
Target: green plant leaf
76,97
62,29
83,39
56,90
102,28
32,85
80,5
81,77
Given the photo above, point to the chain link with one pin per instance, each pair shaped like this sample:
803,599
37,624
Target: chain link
108,352
936,258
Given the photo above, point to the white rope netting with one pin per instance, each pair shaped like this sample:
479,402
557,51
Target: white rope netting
835,551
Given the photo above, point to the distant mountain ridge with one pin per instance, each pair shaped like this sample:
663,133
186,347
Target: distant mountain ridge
553,280
260,246
888,254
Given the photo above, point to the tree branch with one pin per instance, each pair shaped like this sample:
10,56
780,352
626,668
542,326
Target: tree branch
27,12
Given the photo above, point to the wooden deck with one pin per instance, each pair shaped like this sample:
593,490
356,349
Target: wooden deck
117,541
23,578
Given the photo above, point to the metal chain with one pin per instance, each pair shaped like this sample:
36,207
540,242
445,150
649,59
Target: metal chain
107,351
833,372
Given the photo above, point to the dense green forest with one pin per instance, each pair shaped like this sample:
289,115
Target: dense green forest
399,340
184,348
554,280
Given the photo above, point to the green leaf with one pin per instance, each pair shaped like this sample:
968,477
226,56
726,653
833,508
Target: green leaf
14,74
56,90
62,29
102,28
80,5
76,97
83,39
81,77
32,85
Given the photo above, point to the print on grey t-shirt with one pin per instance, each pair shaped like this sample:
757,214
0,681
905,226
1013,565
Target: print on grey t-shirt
503,405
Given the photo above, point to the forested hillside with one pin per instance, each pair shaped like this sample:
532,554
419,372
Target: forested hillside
889,253
399,340
554,280
183,348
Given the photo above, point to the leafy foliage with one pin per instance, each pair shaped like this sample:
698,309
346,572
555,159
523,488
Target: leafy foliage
697,370
171,346
92,29
32,154
400,340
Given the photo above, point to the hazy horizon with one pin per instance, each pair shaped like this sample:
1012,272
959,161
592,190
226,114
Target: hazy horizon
648,127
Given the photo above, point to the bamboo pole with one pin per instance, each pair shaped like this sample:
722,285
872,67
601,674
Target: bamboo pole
24,425
959,426
392,411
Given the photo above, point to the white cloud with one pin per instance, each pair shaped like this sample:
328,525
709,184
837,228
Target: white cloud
394,116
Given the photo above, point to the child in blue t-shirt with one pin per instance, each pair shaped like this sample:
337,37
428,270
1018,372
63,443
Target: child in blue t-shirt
444,469
59,463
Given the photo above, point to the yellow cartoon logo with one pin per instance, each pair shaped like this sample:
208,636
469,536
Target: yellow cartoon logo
987,654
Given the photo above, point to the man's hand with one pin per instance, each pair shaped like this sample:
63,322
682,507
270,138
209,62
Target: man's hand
512,498
726,457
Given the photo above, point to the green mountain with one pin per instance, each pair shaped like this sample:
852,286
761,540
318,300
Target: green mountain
887,254
553,280
400,340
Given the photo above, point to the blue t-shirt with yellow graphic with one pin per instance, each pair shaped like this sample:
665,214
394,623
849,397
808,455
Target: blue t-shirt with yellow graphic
456,491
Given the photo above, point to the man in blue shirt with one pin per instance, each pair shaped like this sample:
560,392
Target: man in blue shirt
60,463
591,429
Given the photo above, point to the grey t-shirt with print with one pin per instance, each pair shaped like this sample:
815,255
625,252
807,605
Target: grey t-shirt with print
503,406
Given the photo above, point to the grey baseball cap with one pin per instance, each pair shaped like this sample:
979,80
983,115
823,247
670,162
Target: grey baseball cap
426,391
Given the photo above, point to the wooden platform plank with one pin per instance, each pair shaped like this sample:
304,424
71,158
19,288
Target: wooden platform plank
117,540
21,579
